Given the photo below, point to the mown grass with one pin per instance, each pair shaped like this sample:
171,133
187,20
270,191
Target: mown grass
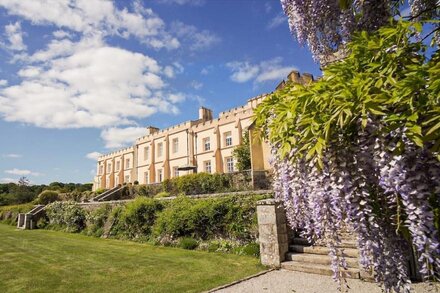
51,261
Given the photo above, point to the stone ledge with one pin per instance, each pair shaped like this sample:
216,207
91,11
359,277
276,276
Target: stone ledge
268,202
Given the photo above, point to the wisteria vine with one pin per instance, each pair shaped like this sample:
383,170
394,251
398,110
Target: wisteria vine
373,192
325,25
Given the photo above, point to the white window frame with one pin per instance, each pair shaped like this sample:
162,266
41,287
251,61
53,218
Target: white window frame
109,168
175,145
229,164
118,166
147,178
207,165
146,151
206,144
159,149
228,138
159,175
101,169
127,179
127,163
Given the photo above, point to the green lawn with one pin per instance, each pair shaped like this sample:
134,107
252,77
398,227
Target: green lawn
49,261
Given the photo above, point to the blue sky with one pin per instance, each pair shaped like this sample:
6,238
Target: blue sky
79,78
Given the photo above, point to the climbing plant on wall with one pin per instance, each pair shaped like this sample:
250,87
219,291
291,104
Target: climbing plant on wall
360,148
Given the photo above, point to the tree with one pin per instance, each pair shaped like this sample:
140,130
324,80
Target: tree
242,153
326,25
361,147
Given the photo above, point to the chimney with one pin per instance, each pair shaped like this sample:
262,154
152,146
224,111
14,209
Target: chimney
294,76
307,78
205,114
151,130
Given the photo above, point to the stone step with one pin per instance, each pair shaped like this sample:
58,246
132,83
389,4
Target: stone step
344,243
318,269
348,252
319,259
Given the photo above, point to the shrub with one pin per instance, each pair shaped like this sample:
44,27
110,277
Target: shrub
136,182
139,216
188,243
230,217
100,190
9,214
96,220
67,216
162,194
252,249
47,196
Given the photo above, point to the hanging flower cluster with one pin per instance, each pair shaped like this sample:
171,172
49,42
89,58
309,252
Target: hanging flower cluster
325,25
359,150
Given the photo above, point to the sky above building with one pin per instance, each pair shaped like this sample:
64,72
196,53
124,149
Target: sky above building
83,77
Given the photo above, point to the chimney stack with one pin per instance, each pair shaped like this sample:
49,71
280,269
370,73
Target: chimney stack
205,114
151,130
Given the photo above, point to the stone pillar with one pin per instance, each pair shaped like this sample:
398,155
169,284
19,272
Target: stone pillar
28,223
273,233
20,221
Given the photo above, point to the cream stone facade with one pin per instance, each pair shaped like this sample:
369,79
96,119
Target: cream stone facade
202,145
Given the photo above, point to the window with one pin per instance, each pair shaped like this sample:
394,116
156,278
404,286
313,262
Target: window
175,172
159,175
159,149
127,178
101,170
127,163
116,180
109,168
118,166
207,166
147,180
146,151
107,183
175,145
228,138
229,164
206,144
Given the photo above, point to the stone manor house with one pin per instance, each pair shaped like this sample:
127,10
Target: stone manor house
201,145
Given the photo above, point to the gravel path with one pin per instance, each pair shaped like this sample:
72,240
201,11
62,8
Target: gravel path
281,281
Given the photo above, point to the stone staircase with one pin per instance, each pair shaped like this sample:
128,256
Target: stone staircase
29,220
108,195
304,257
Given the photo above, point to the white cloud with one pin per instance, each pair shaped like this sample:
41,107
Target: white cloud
242,71
89,16
3,82
93,155
60,34
183,2
278,20
264,71
196,84
267,7
14,35
22,172
85,84
12,156
8,180
194,38
171,71
206,70
120,137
